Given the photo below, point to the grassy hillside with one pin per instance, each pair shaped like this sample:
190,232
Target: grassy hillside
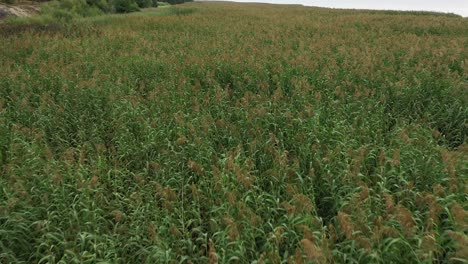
235,133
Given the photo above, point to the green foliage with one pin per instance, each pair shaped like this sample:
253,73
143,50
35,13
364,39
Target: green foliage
144,3
67,10
8,1
125,6
104,5
174,2
163,4
223,132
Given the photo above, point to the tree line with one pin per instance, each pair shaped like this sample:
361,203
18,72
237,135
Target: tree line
105,6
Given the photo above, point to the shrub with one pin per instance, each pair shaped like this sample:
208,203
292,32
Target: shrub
174,2
66,10
144,3
163,4
103,5
125,6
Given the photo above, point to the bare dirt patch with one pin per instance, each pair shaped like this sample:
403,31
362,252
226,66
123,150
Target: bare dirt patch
20,10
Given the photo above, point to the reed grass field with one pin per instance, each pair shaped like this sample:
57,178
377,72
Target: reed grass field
235,133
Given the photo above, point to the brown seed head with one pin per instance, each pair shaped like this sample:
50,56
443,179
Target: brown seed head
312,251
346,225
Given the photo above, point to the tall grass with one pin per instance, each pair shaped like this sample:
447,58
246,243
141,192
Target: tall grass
220,132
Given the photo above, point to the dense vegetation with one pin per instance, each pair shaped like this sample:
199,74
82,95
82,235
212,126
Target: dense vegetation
61,8
235,133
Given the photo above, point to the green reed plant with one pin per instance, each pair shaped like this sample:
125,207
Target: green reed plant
222,132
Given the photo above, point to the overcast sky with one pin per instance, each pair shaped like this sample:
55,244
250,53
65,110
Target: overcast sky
453,6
